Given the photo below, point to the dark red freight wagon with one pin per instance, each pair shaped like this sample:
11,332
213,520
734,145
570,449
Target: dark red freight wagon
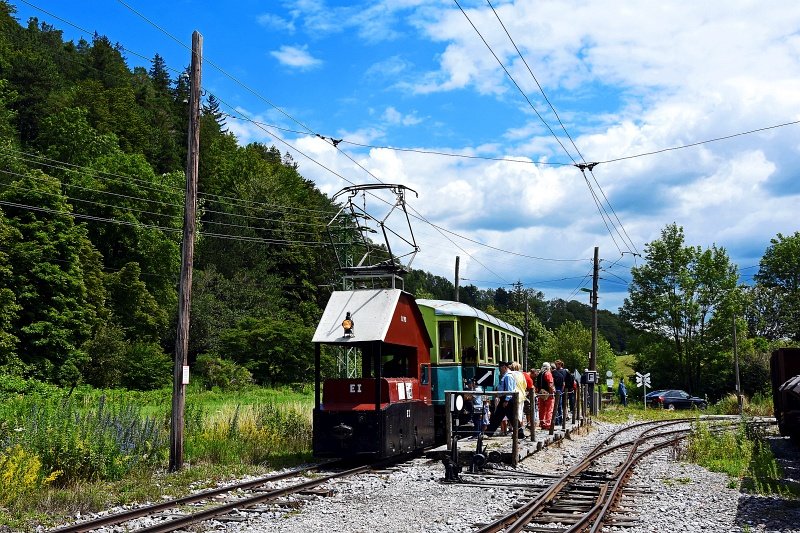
785,370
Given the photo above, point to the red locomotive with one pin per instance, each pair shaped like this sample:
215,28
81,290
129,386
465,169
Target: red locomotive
385,408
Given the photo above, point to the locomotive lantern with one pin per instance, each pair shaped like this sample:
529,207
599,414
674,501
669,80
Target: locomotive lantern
347,325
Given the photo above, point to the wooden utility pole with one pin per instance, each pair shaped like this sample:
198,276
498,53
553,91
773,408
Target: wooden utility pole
593,354
458,260
526,339
736,366
181,375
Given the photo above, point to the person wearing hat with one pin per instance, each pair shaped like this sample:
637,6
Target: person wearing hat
505,405
546,398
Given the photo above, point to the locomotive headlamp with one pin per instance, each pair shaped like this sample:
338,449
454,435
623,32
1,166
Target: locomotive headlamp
347,325
456,403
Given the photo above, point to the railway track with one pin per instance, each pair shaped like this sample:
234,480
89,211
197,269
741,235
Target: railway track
584,497
256,493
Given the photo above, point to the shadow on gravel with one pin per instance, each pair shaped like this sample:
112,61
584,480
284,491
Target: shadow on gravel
780,510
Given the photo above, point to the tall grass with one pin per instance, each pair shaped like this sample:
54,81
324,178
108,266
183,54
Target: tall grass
264,433
729,452
744,455
96,442
61,454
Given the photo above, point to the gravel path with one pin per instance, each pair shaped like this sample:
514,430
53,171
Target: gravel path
671,496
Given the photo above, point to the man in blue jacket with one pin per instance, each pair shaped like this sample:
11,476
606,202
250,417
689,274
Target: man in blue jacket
505,404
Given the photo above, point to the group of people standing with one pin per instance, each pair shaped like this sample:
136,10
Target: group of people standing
549,383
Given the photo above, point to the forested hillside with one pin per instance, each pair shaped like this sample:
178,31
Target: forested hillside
91,189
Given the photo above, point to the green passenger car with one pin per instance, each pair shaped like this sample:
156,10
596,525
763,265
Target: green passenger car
467,343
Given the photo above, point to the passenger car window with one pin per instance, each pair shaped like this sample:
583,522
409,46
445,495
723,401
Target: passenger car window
447,340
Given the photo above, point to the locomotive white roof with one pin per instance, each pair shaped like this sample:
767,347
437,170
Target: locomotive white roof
371,311
448,308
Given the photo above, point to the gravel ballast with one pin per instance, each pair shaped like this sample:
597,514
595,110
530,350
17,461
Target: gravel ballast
664,495
667,496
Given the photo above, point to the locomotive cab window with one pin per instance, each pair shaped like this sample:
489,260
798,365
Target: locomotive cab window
447,348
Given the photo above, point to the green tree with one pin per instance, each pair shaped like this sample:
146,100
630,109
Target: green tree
779,272
44,252
571,342
762,310
676,294
67,136
9,308
134,308
273,350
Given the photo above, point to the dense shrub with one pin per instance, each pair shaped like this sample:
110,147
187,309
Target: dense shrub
217,372
11,386
147,367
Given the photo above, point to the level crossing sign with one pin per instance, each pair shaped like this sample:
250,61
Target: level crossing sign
643,379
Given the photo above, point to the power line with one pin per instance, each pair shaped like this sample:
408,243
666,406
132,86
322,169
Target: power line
241,238
336,142
699,143
601,209
148,185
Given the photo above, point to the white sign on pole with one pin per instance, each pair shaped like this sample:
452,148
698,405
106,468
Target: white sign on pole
643,380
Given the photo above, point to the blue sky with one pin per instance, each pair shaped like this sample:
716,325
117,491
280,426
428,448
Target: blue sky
625,78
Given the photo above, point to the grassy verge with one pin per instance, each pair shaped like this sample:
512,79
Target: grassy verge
63,454
743,454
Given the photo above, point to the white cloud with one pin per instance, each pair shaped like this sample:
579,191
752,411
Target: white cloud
296,57
271,21
393,116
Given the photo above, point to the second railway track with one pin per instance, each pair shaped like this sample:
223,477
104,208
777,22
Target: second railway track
583,498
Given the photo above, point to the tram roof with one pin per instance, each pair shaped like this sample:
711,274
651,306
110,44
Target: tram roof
449,308
371,311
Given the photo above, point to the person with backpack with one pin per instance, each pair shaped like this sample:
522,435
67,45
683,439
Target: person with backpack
559,378
546,391
570,386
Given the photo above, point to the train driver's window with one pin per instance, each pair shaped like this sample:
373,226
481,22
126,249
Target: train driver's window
447,347
424,378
